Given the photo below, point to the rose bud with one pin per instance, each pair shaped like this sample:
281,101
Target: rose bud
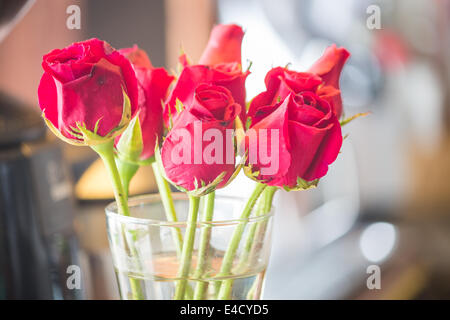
219,65
322,78
88,92
329,68
153,84
198,153
224,45
291,143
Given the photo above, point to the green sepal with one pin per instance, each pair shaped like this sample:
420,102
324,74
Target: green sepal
85,137
130,146
203,188
60,135
248,170
250,64
302,185
178,105
350,119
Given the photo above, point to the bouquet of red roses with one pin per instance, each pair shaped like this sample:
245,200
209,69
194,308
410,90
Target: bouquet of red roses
197,131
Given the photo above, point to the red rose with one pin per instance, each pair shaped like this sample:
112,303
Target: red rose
137,57
152,90
307,138
224,45
329,68
81,92
322,78
199,150
219,65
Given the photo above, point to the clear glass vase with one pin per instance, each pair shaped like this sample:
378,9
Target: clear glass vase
145,248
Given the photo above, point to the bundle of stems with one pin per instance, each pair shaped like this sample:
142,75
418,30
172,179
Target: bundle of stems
120,175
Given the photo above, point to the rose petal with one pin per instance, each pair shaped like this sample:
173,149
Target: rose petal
329,68
305,140
91,98
192,76
277,120
326,154
154,84
137,57
185,174
48,100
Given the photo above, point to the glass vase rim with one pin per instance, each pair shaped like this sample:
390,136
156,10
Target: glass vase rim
111,212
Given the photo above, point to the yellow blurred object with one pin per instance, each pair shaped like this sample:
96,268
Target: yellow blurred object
408,284
94,184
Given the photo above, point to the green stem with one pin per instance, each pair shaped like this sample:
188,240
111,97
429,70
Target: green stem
202,254
188,246
227,262
268,199
106,153
261,226
258,237
127,171
255,290
169,208
244,262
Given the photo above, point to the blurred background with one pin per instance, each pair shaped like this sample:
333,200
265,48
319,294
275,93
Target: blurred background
385,202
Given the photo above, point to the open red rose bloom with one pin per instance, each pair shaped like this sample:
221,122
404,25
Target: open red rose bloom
309,139
211,93
304,108
152,90
220,65
186,157
83,86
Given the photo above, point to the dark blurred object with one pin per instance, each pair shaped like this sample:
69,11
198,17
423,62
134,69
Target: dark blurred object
37,240
113,25
10,12
17,124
